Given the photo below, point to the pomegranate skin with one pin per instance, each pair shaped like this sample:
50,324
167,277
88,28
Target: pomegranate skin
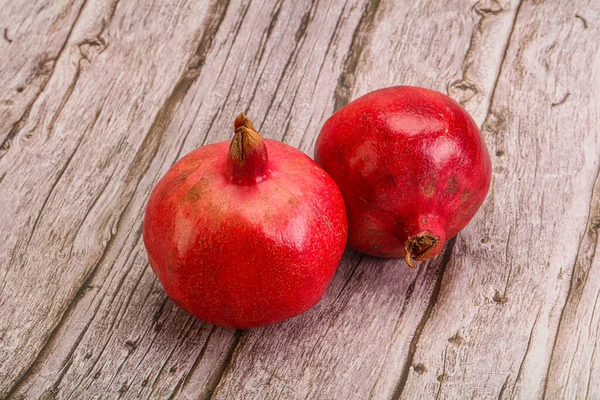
412,167
245,249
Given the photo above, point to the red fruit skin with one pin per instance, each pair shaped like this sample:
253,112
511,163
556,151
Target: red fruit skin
245,255
407,160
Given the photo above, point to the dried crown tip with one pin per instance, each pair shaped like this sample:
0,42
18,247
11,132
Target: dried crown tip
246,138
247,158
242,120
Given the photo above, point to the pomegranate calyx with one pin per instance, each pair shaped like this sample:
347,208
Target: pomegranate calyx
247,159
420,246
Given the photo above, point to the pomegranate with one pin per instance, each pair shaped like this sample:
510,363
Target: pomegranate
245,233
412,167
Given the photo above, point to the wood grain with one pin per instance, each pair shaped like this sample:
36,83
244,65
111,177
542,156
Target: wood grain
574,369
113,93
31,42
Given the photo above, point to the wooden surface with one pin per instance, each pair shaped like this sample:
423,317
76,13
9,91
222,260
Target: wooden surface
98,98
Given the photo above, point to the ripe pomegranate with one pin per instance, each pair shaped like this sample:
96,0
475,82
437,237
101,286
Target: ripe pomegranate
245,233
412,167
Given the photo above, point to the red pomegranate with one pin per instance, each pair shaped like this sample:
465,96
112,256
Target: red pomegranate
248,236
412,167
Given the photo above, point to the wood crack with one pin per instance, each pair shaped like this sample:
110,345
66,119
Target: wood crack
299,40
331,38
562,101
52,188
67,311
17,126
407,298
583,21
360,258
268,32
527,348
502,61
5,35
589,382
426,315
503,388
580,267
443,375
189,323
360,38
186,378
212,388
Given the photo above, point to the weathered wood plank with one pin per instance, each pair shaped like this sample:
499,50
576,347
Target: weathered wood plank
357,342
574,370
263,58
31,40
492,330
76,162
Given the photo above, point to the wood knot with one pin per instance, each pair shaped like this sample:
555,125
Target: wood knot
462,90
44,66
495,123
419,369
456,339
90,48
486,8
194,66
124,388
499,298
130,345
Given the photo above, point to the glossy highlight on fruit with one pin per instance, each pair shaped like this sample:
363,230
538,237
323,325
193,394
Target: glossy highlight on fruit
412,167
245,233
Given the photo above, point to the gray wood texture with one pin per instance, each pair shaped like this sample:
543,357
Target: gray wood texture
98,98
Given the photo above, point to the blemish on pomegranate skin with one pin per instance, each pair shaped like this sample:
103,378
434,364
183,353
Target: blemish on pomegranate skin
452,185
429,189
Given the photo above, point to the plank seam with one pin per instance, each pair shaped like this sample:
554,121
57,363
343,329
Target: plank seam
237,337
520,371
407,298
588,226
186,378
502,61
426,315
360,39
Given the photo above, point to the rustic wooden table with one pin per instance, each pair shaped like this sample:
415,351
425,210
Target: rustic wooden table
98,98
